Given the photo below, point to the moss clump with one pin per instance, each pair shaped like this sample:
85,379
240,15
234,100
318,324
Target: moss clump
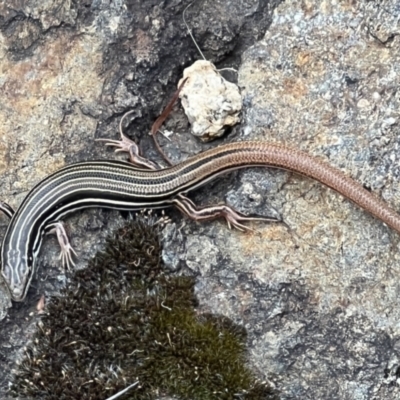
124,319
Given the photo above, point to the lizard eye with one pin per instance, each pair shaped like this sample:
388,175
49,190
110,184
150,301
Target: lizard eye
23,269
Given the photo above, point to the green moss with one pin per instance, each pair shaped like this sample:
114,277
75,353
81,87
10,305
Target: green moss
125,319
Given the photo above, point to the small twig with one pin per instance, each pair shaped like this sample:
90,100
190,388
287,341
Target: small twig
190,32
197,46
227,69
122,391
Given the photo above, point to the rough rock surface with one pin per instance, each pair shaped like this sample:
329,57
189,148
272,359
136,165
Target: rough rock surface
318,296
68,72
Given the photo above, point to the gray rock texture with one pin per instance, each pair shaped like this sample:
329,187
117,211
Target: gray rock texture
318,294
68,72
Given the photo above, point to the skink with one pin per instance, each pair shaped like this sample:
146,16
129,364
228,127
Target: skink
119,185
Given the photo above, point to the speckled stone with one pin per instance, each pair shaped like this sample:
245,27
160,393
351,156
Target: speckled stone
211,103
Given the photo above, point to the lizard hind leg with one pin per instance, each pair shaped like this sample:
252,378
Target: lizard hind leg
233,217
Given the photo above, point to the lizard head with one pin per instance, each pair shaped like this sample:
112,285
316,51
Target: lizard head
16,272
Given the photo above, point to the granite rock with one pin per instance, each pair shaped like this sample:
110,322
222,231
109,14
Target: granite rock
68,72
318,294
